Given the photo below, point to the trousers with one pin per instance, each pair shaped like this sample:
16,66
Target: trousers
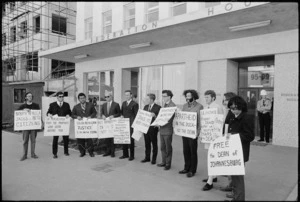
264,125
110,146
26,135
190,154
151,138
166,149
131,146
81,145
55,144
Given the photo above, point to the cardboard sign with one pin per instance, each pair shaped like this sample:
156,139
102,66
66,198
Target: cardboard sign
122,131
137,135
106,128
86,128
24,120
211,125
142,121
225,157
185,124
57,126
164,115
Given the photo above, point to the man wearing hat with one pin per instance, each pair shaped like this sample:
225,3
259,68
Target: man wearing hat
264,107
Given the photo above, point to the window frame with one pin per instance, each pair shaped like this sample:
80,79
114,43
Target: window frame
127,19
176,4
104,24
59,18
22,99
35,28
13,34
23,29
151,11
88,33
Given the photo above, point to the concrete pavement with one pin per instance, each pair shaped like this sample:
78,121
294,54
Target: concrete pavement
271,174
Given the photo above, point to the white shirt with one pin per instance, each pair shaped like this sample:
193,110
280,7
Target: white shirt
59,103
128,102
150,106
215,105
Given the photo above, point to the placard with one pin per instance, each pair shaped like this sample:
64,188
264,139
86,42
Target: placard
211,125
142,121
185,124
122,131
225,157
57,126
86,128
106,128
137,135
164,115
24,120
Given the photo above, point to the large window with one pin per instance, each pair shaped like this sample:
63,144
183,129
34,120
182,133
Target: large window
23,30
129,15
12,6
19,95
88,27
152,11
10,66
211,4
61,68
107,22
36,24
13,34
178,8
59,24
32,62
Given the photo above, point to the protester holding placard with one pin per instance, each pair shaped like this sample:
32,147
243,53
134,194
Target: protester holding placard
87,110
110,110
60,108
242,124
29,105
166,133
129,110
190,145
210,97
151,136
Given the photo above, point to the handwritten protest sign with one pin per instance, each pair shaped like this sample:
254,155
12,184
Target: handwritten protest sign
142,121
106,128
24,120
164,116
225,157
185,124
57,126
137,135
122,131
86,128
211,125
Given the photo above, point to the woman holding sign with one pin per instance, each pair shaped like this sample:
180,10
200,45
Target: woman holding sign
190,145
242,124
29,105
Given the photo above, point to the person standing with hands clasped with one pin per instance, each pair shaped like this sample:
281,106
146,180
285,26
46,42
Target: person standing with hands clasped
242,124
190,145
60,108
264,106
29,105
87,110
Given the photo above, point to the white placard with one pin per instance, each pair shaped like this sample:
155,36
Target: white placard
185,124
106,128
225,157
164,115
57,126
86,128
122,131
24,120
137,135
142,121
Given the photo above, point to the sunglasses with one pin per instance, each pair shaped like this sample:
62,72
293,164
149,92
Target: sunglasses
107,96
60,96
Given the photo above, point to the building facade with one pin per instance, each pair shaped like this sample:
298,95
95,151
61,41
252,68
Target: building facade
242,47
27,29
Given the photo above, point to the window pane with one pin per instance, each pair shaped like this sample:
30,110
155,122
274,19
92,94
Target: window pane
152,17
179,10
152,4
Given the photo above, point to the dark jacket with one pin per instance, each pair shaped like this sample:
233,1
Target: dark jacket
168,128
155,109
33,106
114,110
244,125
89,111
64,110
130,111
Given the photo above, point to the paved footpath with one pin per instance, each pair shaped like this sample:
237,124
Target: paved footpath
271,174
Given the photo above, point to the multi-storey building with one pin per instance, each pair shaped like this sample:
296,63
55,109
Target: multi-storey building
29,27
242,47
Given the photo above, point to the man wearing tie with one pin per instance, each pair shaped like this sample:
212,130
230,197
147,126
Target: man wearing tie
129,110
110,110
84,109
59,108
151,135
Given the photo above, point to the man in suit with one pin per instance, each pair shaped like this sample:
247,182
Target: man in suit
84,109
166,133
129,110
151,135
110,110
59,108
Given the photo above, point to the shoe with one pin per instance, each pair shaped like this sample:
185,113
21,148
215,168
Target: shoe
131,158
214,180
112,155
81,155
161,165
267,141
229,195
260,140
167,167
34,156
183,171
106,154
190,174
55,156
123,157
67,154
145,160
23,158
153,162
227,188
207,187
92,155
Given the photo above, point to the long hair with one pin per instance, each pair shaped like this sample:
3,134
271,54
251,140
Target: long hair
194,93
239,102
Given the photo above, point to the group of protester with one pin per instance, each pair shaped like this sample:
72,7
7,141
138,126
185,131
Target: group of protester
234,109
